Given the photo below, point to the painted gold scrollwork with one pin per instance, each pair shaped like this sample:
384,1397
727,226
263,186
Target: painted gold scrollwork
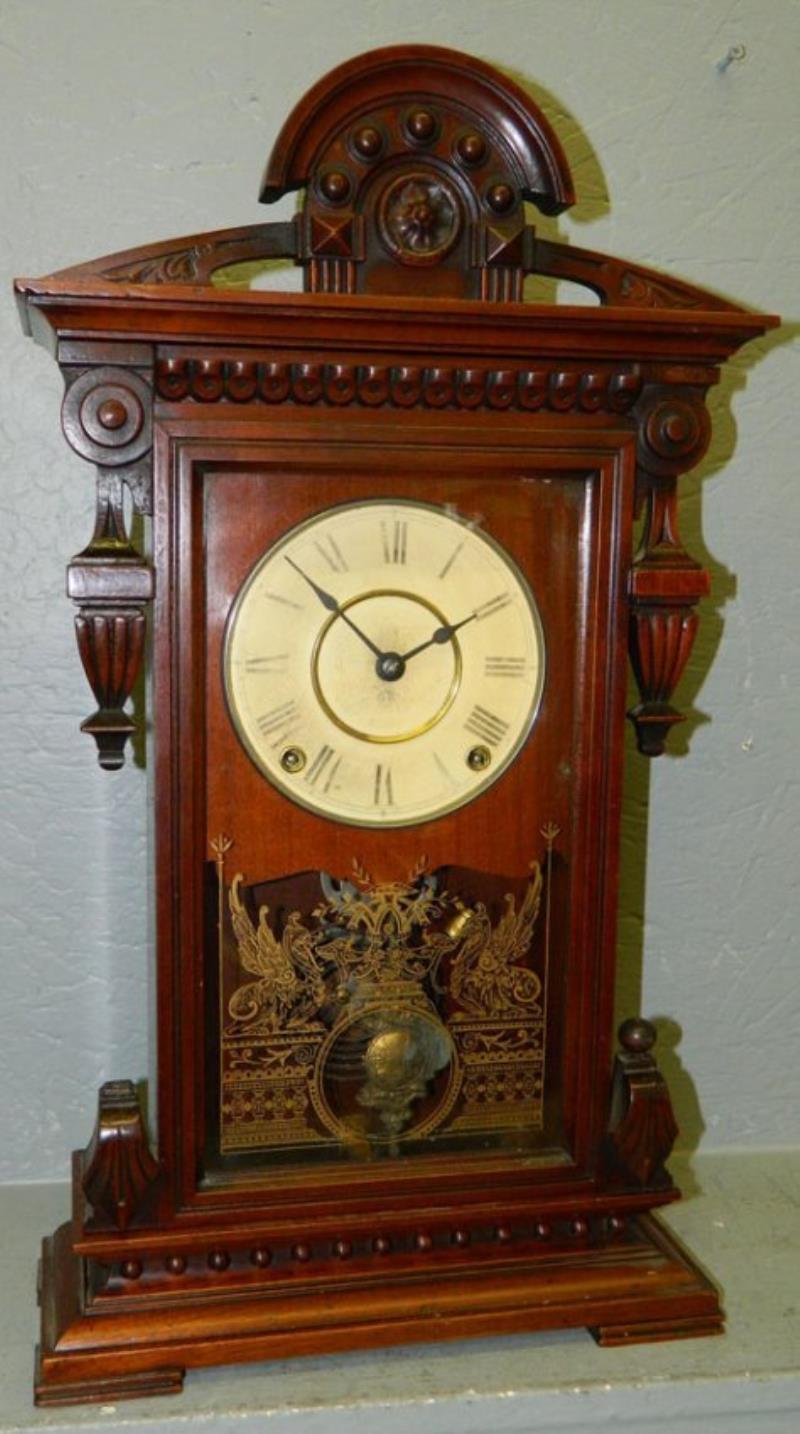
486,978
390,1011
289,988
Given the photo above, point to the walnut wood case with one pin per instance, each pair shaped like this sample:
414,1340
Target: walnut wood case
409,369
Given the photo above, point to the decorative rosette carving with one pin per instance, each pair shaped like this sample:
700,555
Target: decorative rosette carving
673,435
419,218
106,416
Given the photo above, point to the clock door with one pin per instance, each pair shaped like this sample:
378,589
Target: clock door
400,666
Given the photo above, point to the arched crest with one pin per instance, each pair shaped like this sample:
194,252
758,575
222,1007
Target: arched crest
400,78
417,162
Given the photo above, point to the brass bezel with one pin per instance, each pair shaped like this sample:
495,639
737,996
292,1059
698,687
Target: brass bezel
317,685
492,773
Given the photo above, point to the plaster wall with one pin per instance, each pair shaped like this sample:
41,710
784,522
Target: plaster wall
125,121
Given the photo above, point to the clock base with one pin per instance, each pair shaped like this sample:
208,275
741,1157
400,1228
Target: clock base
643,1288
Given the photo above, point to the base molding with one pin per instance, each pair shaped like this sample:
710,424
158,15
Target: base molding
652,1331
642,1287
110,1390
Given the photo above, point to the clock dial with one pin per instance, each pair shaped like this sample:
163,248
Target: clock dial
383,662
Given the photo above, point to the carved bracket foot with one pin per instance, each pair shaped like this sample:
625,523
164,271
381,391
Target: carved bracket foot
642,1126
655,1331
119,1171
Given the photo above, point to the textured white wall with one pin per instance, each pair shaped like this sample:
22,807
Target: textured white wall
125,121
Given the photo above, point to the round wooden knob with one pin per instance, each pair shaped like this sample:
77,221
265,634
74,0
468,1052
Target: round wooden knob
421,125
637,1036
676,427
368,141
471,148
500,198
112,414
335,186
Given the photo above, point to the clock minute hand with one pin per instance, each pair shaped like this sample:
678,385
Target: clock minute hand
329,601
441,635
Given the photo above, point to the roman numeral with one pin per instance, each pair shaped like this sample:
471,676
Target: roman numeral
276,662
493,605
448,776
278,718
329,549
383,795
395,541
448,565
284,601
486,725
504,666
325,765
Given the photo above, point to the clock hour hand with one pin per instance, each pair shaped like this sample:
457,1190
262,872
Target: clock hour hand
441,635
329,601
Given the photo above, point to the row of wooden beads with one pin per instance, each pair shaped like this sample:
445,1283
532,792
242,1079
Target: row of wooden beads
262,1257
240,380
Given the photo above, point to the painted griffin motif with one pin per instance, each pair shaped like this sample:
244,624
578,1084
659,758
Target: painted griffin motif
485,978
289,988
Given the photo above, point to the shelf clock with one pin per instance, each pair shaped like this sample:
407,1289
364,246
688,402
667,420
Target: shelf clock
392,592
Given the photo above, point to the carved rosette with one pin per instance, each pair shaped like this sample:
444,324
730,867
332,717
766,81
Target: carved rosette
419,218
665,581
106,418
642,1125
119,1171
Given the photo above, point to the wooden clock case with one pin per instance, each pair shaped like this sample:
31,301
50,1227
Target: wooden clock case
409,368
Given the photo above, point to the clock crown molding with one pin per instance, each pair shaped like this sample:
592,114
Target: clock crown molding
416,162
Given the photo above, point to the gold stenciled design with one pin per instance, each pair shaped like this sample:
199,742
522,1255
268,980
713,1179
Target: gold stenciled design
391,1011
486,978
289,988
380,937
500,1030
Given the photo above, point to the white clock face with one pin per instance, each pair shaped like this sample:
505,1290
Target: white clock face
383,663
